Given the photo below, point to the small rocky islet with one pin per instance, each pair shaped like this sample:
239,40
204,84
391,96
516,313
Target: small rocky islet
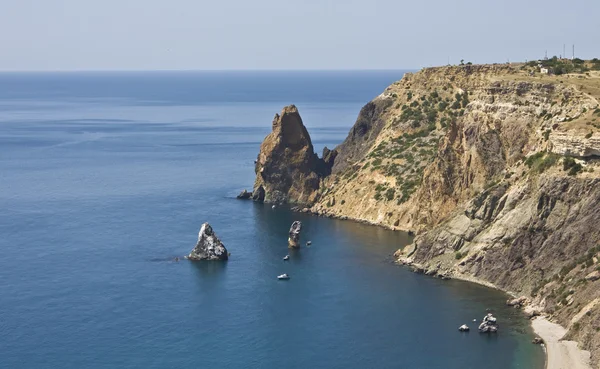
209,246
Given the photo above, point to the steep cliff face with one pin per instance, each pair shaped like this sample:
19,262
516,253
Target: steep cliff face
498,173
287,168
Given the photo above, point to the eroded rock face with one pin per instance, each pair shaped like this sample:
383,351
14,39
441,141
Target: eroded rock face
294,238
575,144
209,246
287,168
363,134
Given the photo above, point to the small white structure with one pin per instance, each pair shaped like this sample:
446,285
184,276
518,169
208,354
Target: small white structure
463,328
544,70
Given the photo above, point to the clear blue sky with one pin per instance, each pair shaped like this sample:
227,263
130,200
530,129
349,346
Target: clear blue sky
283,34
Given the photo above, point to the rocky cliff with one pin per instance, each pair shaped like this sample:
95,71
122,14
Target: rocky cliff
496,170
287,168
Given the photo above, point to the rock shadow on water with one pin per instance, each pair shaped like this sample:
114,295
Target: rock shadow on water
209,269
295,254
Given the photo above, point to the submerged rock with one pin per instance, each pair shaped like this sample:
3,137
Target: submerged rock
209,246
294,238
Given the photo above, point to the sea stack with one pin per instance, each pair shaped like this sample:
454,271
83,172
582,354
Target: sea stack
294,238
287,168
209,246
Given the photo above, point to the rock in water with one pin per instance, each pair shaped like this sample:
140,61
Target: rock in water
537,341
209,246
244,195
294,239
287,168
258,194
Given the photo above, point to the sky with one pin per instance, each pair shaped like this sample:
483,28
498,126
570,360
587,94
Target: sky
283,34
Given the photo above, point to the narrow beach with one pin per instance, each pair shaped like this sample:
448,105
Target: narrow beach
560,354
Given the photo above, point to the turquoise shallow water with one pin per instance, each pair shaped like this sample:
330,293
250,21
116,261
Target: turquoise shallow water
105,177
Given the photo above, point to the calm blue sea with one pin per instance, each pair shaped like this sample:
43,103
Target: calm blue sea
106,177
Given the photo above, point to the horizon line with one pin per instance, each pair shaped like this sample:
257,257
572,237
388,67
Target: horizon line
205,70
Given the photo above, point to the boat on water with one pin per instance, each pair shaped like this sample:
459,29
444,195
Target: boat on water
463,328
287,257
283,276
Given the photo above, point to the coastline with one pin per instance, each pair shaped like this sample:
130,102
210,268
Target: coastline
560,354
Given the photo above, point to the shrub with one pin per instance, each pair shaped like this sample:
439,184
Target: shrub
546,134
589,135
541,161
458,255
390,194
569,164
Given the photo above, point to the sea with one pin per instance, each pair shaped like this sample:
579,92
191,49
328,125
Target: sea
106,178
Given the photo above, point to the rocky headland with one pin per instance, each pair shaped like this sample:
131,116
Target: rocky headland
496,168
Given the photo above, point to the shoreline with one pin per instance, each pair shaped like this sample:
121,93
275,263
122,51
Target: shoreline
560,354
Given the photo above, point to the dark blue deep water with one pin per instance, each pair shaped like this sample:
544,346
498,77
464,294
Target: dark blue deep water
105,177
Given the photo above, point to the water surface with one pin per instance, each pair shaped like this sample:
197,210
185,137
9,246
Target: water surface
106,177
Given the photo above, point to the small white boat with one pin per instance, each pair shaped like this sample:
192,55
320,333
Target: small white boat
463,328
308,243
287,257
273,207
283,276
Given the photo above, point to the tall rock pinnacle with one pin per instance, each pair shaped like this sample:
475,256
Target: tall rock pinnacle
287,168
